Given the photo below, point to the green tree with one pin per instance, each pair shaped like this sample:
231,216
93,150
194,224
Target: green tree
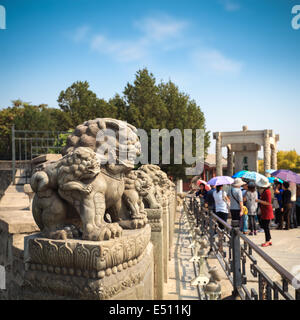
184,113
151,106
145,107
28,117
118,104
82,104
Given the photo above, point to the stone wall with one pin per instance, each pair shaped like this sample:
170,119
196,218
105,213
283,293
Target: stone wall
14,227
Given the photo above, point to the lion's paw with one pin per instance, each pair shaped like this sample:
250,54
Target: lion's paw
139,223
135,223
115,229
98,234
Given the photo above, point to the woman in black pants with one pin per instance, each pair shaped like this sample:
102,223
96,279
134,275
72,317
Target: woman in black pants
286,206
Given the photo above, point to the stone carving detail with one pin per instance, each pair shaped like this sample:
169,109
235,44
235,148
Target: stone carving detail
92,270
74,194
90,259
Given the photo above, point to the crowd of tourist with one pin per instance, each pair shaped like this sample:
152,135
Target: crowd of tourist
256,206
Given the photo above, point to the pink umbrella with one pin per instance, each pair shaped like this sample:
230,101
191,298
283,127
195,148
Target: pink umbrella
207,187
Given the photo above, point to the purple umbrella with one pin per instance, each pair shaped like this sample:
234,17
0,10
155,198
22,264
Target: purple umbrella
220,180
287,175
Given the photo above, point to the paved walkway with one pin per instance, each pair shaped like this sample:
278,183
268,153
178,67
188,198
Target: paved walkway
181,271
285,250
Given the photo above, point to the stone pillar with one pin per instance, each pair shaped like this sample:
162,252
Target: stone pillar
256,168
172,212
179,186
218,137
155,220
267,151
274,157
229,161
165,209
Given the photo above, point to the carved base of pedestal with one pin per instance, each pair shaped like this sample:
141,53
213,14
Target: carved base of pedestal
83,270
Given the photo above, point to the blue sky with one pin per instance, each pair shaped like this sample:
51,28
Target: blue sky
239,59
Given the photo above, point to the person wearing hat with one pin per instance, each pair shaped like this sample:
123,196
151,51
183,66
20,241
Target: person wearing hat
236,199
250,198
266,208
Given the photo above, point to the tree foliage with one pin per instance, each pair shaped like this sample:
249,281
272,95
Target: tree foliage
288,160
81,104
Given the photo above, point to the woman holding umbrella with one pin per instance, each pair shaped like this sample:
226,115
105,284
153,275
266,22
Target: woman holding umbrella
293,178
266,208
202,192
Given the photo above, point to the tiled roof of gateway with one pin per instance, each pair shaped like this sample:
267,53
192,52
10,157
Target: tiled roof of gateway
211,160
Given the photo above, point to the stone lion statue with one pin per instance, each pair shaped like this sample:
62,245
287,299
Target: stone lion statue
85,188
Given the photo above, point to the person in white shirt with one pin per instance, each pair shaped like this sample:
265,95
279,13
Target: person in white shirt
222,203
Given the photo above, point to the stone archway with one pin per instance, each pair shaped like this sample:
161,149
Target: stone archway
242,149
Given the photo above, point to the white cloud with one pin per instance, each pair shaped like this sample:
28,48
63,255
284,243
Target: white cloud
161,28
216,61
230,5
80,34
154,31
157,34
123,51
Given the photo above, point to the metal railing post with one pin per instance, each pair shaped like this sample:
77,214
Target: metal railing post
211,235
13,146
236,258
298,294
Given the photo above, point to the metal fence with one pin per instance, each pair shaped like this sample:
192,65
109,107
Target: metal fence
235,253
26,145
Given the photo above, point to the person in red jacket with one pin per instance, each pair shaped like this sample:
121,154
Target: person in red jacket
266,208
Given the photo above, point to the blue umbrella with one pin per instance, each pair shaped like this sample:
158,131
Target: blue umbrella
239,174
252,175
273,179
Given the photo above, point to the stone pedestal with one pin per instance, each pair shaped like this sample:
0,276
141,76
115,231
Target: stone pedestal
14,226
72,269
156,223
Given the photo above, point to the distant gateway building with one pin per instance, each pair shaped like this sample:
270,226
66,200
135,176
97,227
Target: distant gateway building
242,150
